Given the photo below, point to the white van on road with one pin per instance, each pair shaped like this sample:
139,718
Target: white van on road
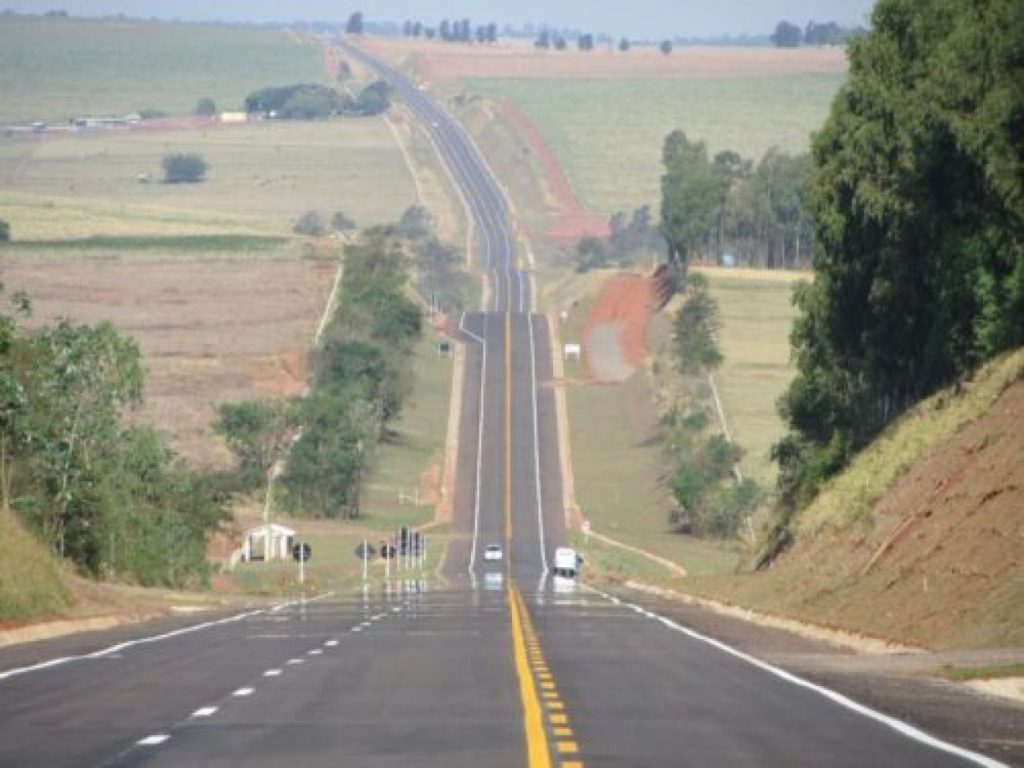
567,562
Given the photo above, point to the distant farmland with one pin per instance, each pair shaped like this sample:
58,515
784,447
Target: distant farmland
608,133
53,68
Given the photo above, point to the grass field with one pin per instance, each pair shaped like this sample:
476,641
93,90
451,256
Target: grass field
54,69
756,316
260,179
411,462
608,134
619,466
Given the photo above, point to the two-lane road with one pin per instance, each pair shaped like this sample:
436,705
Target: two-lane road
503,666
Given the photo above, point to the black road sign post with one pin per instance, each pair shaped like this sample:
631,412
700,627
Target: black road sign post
301,552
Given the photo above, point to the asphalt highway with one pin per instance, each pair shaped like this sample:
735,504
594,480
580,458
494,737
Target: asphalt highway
501,665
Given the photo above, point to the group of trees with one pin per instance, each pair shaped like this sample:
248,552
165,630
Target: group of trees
361,376
312,224
310,101
710,500
631,239
917,204
711,206
460,31
114,500
439,276
585,41
789,35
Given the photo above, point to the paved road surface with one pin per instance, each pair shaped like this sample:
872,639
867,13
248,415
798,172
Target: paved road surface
503,666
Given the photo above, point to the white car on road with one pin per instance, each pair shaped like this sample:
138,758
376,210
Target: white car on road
493,553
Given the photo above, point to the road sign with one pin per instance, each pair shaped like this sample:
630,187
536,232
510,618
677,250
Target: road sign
368,552
302,552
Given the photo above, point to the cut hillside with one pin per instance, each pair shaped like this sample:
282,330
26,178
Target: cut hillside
921,540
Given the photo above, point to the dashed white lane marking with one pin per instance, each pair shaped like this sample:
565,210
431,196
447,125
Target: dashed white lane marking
356,629
905,729
204,712
330,643
243,692
296,661
396,609
314,652
272,673
155,739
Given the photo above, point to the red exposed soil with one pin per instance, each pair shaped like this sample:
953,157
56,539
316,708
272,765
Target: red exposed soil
938,562
574,220
630,301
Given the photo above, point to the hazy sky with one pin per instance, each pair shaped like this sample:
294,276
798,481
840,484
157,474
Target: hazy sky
635,18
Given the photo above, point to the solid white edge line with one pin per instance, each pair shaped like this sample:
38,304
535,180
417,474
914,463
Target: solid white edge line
479,454
127,644
468,332
905,729
536,449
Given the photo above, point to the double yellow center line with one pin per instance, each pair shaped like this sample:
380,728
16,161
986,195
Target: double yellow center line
545,719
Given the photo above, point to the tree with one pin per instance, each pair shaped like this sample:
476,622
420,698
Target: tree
5,232
445,30
310,224
543,40
917,203
695,329
585,42
665,47
303,101
375,99
624,45
786,35
560,43
341,222
206,107
355,24
256,432
181,168
690,193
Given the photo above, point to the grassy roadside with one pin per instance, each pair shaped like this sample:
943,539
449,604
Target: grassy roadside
620,466
756,316
409,464
32,583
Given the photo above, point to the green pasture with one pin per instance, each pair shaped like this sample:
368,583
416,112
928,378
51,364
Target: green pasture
608,134
261,178
55,69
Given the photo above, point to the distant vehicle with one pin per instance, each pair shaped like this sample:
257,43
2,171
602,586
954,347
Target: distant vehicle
39,126
492,552
567,562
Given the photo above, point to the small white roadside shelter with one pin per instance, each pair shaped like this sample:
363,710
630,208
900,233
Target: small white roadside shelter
269,541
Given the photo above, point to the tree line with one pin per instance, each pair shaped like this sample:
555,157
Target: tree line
361,375
916,200
113,500
789,35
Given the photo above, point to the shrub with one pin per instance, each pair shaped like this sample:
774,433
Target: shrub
184,168
340,222
5,231
206,107
310,224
